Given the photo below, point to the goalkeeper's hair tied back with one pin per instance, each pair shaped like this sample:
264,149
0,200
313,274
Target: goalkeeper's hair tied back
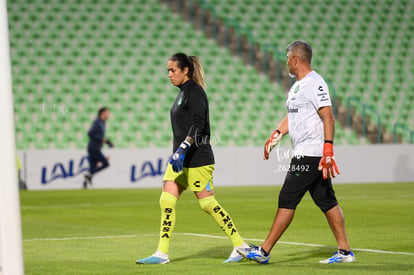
198,74
195,69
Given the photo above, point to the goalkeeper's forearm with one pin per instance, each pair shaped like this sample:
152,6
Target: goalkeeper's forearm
328,119
283,126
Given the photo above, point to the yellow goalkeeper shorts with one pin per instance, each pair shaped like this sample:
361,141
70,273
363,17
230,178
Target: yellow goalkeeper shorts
197,178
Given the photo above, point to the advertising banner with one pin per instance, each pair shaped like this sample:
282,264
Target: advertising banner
235,166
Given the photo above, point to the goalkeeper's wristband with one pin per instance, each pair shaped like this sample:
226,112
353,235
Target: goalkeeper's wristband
276,131
185,145
328,149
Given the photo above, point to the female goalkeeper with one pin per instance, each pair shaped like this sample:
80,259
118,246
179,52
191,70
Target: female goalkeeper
192,164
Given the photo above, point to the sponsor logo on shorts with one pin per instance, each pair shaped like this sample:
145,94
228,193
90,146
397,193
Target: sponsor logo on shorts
197,184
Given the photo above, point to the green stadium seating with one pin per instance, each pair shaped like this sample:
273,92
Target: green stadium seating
71,57
363,47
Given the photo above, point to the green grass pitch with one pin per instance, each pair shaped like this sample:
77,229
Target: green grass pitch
105,231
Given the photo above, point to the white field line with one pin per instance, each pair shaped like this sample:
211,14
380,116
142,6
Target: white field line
105,204
87,238
214,237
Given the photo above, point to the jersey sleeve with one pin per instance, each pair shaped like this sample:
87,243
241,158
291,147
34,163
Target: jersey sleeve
198,108
319,95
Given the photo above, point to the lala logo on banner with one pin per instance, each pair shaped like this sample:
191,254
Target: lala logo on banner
148,169
59,170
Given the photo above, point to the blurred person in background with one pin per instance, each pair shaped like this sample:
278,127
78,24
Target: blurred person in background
97,161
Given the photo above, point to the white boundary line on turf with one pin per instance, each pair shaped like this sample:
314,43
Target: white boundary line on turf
89,238
214,237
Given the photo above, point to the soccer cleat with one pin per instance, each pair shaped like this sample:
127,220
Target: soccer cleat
255,253
153,260
234,257
339,257
88,179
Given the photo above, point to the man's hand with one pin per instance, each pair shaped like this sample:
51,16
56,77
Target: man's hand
177,159
110,144
273,140
327,163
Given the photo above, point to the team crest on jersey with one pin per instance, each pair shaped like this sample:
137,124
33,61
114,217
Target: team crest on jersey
296,89
180,101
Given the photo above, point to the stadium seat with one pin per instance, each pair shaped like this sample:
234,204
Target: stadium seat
348,42
70,58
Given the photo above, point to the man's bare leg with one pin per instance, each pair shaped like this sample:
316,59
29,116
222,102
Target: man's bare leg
281,222
336,221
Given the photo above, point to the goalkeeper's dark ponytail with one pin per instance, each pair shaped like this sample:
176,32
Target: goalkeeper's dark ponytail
195,69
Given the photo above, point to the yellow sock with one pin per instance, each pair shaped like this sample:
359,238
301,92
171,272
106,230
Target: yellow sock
167,204
212,207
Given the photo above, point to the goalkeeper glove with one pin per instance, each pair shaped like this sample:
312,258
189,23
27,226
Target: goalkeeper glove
273,140
110,144
177,159
327,163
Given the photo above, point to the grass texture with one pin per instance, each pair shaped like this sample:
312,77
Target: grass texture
105,231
